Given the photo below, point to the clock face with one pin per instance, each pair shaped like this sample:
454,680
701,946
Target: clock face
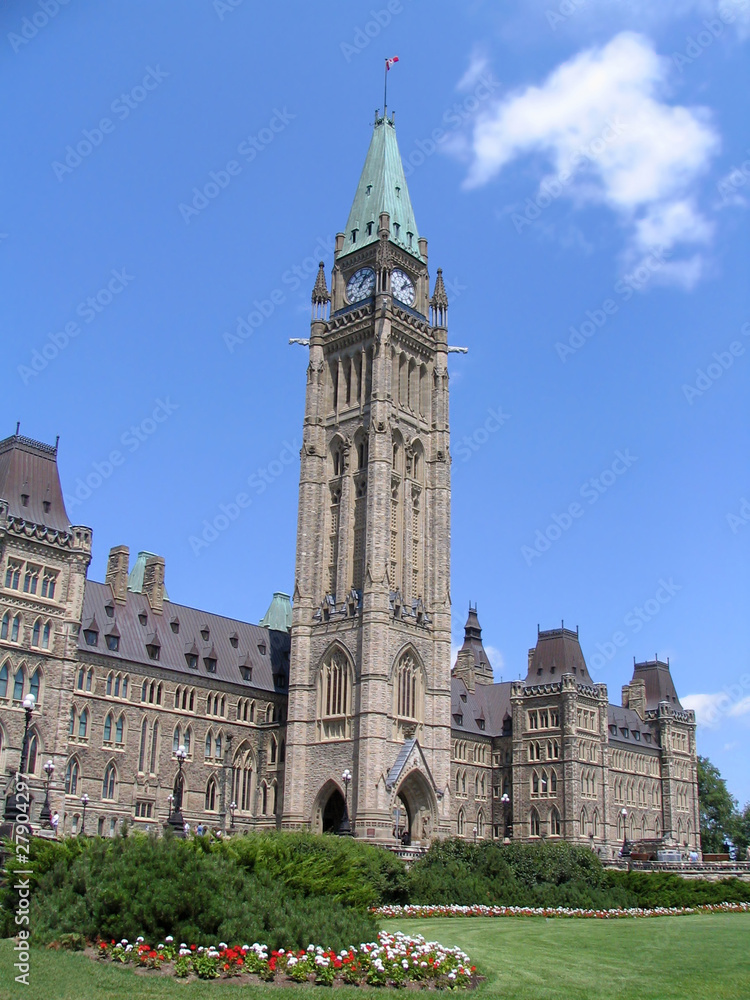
403,287
361,284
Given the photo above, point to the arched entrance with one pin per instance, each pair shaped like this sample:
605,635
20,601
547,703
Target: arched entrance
417,806
333,812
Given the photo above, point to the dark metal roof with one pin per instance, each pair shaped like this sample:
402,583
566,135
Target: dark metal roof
557,652
264,650
28,469
474,646
659,684
629,722
488,702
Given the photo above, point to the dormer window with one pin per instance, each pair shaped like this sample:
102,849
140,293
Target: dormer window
459,719
205,633
192,660
109,610
354,235
175,625
46,506
143,618
625,731
113,643
234,640
398,192
409,238
636,735
25,499
463,696
396,227
369,228
210,664
153,650
91,636
480,723
247,673
368,189
262,648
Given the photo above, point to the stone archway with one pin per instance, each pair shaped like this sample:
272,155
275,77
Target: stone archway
329,809
416,798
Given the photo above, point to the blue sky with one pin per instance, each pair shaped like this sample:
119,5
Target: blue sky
586,197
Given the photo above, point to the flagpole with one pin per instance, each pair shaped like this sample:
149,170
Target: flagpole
385,91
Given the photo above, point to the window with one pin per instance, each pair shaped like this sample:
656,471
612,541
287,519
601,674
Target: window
242,781
71,777
553,781
32,754
211,795
108,729
113,642
210,664
192,660
117,686
91,636
35,684
143,618
36,633
31,579
4,681
15,629
175,625
205,633
120,731
109,683
534,783
13,575
273,750
461,823
534,824
144,810
5,627
154,746
154,650
555,826
18,685
46,635
109,610
83,724
334,698
217,747
209,744
142,752
108,785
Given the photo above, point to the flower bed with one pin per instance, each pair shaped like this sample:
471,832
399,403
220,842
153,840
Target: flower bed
392,960
561,911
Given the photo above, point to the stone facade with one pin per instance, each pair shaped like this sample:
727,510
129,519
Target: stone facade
357,678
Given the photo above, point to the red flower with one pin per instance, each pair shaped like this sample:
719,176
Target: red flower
193,947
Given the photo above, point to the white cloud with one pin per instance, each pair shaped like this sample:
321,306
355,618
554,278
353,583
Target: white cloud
478,65
600,120
496,658
711,709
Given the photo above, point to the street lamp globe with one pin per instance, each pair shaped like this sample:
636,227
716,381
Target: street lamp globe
29,702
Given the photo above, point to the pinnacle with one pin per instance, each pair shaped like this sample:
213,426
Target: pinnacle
439,296
320,289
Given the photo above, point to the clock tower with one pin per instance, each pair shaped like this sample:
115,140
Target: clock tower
369,690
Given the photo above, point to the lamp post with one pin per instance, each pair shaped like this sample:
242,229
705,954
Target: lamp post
624,850
474,831
46,814
175,821
84,802
232,808
345,827
505,799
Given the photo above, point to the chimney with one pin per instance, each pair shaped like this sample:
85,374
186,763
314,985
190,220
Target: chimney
117,572
637,697
153,583
464,668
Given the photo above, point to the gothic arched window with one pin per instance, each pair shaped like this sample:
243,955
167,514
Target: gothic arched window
4,681
242,780
211,795
534,825
555,826
72,773
335,697
408,696
109,782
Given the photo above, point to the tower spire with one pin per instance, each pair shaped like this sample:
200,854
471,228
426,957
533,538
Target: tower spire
382,188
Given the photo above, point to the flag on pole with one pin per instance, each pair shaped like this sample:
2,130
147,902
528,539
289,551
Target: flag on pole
390,62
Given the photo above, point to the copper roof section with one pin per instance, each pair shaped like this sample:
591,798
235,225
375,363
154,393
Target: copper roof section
30,482
557,652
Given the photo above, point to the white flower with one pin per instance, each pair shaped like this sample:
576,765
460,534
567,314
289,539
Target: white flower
169,939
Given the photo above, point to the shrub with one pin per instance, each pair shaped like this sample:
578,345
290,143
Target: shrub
651,889
122,888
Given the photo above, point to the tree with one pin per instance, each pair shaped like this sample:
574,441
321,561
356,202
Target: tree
741,832
718,809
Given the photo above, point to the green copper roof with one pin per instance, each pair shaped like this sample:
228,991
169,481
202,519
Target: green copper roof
135,580
279,614
382,188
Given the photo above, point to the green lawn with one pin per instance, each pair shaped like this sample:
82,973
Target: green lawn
663,958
